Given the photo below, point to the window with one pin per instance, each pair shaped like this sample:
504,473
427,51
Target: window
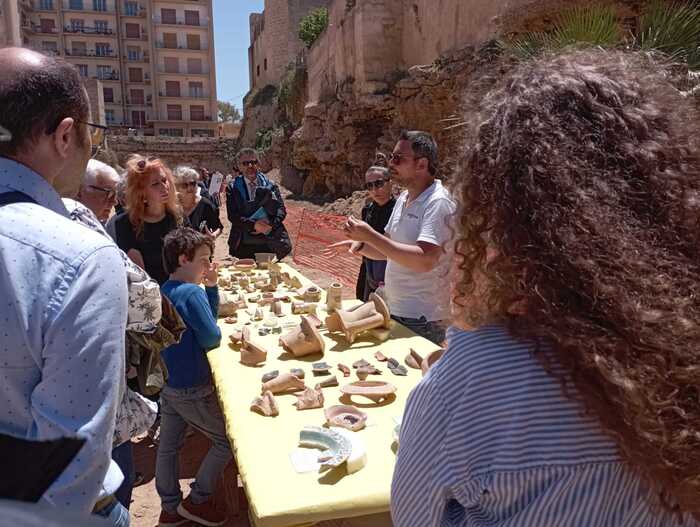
133,30
258,70
197,113
172,64
77,25
102,49
104,72
170,40
131,9
135,75
99,5
108,94
168,16
172,89
191,18
193,42
136,96
174,112
194,65
46,5
265,64
78,49
47,25
171,132
200,132
109,116
101,26
75,4
133,53
49,47
196,89
138,118
83,70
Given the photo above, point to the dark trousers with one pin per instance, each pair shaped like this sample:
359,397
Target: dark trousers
279,246
123,455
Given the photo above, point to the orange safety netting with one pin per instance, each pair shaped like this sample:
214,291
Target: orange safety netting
311,232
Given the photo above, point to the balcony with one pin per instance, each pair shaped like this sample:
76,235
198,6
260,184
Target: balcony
182,71
88,6
44,30
181,22
187,95
138,13
143,37
112,76
200,119
46,5
161,45
88,30
137,58
91,53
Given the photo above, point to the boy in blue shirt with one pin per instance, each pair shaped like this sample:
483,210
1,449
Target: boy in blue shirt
189,397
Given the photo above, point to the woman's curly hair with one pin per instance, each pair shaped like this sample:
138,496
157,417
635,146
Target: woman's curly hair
578,229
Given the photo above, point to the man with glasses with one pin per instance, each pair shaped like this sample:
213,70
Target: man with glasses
414,239
98,191
63,286
256,211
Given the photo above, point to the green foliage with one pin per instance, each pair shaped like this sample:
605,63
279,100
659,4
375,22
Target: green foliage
672,28
291,96
228,112
264,96
593,26
312,25
263,139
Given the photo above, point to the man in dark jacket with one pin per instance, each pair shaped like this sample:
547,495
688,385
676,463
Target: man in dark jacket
256,211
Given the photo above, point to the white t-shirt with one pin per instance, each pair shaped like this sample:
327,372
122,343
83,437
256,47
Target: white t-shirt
411,294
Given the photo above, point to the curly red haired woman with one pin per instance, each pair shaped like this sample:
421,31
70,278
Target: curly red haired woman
571,394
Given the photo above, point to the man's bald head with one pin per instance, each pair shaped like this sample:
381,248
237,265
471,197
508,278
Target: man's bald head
36,93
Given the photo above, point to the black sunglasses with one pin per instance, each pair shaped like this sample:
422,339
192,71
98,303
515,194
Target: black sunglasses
397,158
372,185
249,163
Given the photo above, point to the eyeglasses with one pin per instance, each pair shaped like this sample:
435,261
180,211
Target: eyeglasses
189,184
97,136
249,163
109,194
397,158
373,185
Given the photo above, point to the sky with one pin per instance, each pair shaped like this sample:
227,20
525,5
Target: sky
231,41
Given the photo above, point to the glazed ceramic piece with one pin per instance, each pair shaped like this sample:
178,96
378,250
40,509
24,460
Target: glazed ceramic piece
380,357
298,372
343,368
360,363
285,382
265,259
303,308
245,265
334,297
375,391
303,340
396,368
309,399
336,448
370,315
431,359
413,359
311,294
270,375
357,459
327,382
345,416
320,368
265,405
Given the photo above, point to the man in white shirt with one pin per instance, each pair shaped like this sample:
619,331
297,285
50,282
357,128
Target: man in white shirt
414,239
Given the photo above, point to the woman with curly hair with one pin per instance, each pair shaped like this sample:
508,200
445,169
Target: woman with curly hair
569,394
152,211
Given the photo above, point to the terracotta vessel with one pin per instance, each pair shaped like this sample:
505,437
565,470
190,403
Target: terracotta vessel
334,297
308,399
302,308
362,373
345,416
380,357
285,382
312,294
265,405
343,368
245,265
278,308
313,319
303,340
328,382
413,359
375,391
370,315
228,304
252,353
431,359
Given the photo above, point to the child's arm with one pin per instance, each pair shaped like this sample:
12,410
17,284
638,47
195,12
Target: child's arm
201,311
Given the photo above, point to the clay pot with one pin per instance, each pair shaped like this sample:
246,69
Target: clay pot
334,297
265,405
375,391
245,265
304,340
278,308
308,399
301,308
312,294
346,416
370,315
285,382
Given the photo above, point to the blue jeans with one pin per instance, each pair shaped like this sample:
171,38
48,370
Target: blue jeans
115,513
123,455
433,331
199,408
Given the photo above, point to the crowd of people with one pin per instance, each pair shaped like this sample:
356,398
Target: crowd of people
562,256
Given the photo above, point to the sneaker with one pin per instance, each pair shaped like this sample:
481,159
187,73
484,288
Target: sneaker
204,513
170,519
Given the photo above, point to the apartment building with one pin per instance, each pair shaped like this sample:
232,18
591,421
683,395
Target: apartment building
153,58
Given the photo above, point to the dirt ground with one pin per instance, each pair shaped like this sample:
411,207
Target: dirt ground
145,506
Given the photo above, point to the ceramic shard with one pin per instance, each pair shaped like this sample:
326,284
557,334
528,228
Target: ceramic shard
309,399
270,375
343,368
345,416
334,297
413,359
335,447
327,382
375,391
298,372
303,340
320,368
370,315
396,368
284,382
360,363
302,308
278,308
380,357
311,294
245,265
431,359
265,405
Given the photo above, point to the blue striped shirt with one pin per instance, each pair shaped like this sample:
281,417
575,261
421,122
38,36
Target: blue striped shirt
488,439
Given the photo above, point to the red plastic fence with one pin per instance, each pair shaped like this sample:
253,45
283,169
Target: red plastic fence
311,232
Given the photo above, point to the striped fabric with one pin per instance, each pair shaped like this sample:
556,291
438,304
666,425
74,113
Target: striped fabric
489,440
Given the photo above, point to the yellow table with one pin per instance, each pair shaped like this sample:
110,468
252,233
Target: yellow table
278,495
